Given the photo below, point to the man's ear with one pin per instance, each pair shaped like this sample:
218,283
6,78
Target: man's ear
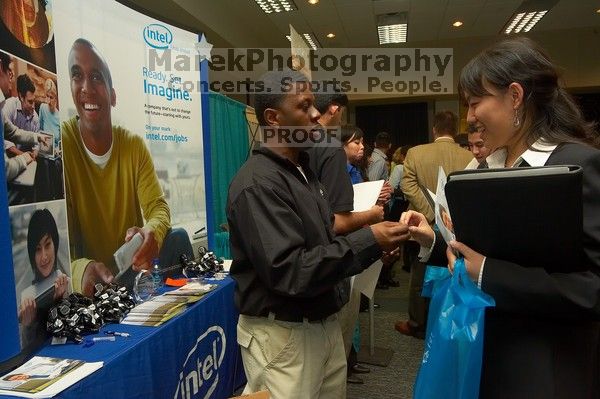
271,116
332,109
516,93
113,97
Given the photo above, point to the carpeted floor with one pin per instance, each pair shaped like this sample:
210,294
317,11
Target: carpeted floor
395,381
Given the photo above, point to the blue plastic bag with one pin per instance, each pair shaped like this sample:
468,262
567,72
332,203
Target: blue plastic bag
451,366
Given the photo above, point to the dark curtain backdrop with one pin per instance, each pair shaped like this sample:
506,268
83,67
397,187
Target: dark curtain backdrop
590,107
406,123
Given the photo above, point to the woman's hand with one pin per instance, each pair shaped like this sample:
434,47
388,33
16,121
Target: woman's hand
418,227
27,311
60,286
473,260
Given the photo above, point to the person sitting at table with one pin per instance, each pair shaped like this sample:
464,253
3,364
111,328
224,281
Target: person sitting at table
13,166
42,248
112,188
20,110
18,161
542,339
49,119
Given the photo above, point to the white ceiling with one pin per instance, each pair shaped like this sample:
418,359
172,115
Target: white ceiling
241,23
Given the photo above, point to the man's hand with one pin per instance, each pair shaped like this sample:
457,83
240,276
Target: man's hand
419,229
385,194
95,272
147,251
473,259
390,234
27,311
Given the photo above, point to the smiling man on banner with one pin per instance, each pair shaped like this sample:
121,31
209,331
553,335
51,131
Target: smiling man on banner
111,184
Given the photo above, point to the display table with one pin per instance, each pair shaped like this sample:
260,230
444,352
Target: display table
193,355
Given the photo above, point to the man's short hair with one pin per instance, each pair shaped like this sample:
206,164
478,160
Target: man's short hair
276,84
445,123
4,61
323,101
382,140
90,45
24,84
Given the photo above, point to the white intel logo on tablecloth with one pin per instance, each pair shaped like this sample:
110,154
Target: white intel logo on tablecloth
200,372
158,36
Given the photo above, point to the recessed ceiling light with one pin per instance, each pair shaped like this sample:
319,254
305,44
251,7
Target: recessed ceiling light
456,24
598,11
313,1
270,6
331,35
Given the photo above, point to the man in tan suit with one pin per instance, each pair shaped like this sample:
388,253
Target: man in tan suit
421,167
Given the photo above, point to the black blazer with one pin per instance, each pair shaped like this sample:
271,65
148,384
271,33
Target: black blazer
542,338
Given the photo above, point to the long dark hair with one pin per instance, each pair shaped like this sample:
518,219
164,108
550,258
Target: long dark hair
350,132
550,113
41,223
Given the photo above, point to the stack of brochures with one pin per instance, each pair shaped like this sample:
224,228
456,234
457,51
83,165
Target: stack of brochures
166,306
45,377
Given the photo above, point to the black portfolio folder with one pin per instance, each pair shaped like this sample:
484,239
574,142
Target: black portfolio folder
529,216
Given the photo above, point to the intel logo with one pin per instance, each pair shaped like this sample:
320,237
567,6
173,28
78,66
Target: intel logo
199,375
158,36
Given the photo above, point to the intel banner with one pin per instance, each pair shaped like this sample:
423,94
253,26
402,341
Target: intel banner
149,100
100,148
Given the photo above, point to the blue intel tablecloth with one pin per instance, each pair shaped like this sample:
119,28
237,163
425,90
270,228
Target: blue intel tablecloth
194,355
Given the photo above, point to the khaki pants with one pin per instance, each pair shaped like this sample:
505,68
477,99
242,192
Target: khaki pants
293,360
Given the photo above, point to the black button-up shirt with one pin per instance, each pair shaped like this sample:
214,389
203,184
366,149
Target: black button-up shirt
286,258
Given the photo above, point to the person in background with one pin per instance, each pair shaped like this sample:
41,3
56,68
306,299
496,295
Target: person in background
477,148
289,265
20,110
398,169
49,118
352,142
542,338
378,165
329,162
421,168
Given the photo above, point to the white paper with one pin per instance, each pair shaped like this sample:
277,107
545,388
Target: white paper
366,281
443,219
366,194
